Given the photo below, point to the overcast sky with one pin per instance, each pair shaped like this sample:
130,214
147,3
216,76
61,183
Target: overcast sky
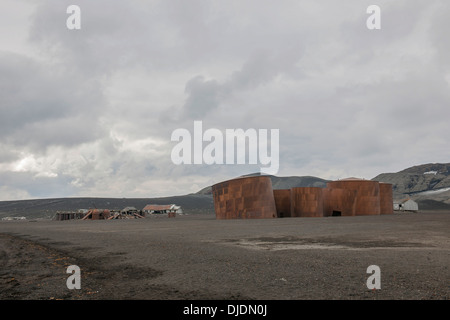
90,112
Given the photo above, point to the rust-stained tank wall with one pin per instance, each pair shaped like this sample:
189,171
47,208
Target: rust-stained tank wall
282,202
306,202
386,198
338,202
244,198
99,214
367,200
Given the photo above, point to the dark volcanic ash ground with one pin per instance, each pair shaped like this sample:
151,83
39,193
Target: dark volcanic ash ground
199,257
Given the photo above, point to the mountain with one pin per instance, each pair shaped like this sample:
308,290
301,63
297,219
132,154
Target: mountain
418,179
283,183
428,184
427,177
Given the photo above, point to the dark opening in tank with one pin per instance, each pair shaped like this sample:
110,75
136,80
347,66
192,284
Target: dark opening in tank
336,213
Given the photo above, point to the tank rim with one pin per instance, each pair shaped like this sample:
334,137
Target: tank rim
240,178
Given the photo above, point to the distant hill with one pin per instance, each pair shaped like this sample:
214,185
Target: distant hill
283,183
416,179
428,184
46,208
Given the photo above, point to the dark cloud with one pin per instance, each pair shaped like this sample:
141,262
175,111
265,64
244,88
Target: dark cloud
35,186
41,107
204,96
91,111
438,33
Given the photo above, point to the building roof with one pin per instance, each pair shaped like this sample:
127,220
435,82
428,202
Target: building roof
404,200
129,209
159,207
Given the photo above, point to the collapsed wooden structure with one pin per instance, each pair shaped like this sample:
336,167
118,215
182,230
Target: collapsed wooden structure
99,214
126,213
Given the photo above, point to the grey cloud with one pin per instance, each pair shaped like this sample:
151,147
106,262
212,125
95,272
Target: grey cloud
101,102
207,95
41,107
438,33
265,66
37,187
26,93
7,153
203,96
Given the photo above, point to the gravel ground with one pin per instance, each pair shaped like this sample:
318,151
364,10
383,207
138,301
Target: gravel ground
199,257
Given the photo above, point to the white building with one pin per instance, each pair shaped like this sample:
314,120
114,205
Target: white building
406,205
13,218
165,208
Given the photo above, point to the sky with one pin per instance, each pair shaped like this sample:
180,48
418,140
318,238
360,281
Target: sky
90,112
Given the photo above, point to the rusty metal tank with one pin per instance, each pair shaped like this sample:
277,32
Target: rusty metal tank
367,197
97,214
386,198
338,202
306,202
244,198
282,202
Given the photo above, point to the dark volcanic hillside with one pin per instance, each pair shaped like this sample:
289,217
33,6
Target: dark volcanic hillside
201,202
46,208
416,179
428,184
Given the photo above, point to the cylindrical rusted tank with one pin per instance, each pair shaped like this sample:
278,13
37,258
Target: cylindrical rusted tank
306,202
338,202
244,198
367,200
95,214
386,198
99,214
282,202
